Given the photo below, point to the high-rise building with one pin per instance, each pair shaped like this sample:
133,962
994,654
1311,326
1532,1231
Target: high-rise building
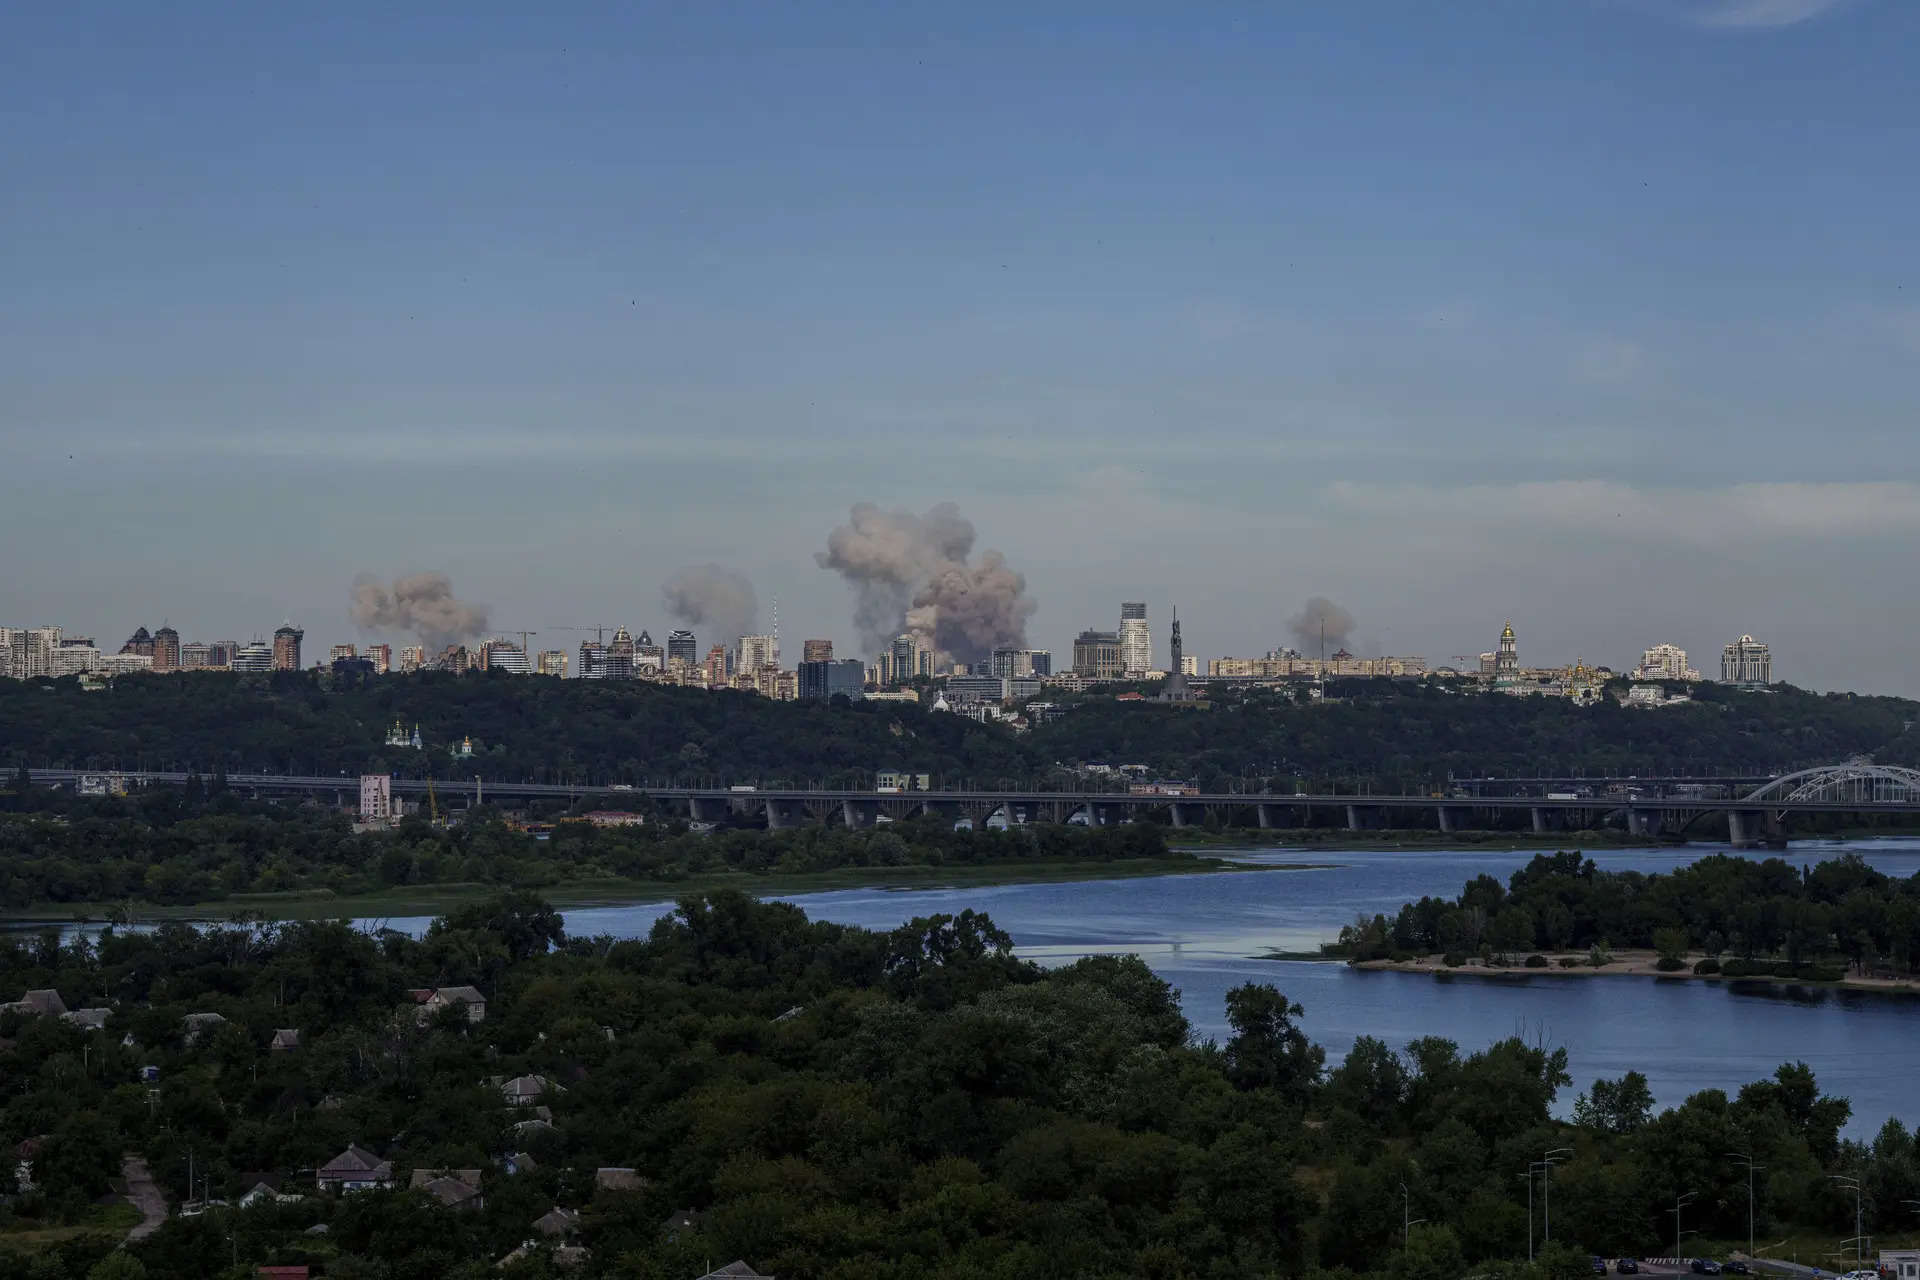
381,655
1746,662
553,662
341,653
376,797
221,653
620,655
816,651
166,649
1096,654
286,647
681,648
74,657
648,656
902,659
194,656
256,658
1136,641
824,677
412,658
593,660
755,652
1664,662
717,667
504,655
139,642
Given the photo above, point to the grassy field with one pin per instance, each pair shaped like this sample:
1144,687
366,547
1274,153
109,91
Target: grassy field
111,1222
428,900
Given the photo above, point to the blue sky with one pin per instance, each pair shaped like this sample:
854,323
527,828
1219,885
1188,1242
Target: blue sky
1602,314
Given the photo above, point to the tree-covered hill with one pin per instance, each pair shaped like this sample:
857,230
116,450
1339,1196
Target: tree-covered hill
1409,735
1388,735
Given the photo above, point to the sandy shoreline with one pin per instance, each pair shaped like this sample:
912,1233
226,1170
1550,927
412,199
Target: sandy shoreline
1629,964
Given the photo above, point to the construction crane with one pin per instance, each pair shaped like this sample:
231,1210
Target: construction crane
599,631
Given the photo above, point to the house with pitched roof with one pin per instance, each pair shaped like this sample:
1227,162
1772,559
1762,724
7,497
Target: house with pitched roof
455,1188
355,1169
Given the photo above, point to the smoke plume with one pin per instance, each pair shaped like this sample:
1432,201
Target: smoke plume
420,603
912,573
707,595
1307,626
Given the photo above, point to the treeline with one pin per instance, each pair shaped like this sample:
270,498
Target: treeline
1761,916
1411,736
1384,735
200,843
832,1102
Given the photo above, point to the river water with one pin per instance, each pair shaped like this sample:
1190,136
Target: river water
1204,934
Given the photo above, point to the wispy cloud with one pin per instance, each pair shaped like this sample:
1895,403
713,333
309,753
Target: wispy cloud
1748,15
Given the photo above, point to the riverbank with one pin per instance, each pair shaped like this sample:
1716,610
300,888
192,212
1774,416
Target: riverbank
1628,964
1438,841
437,899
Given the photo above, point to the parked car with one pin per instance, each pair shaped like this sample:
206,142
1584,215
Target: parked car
1626,1266
1736,1268
1599,1265
1705,1267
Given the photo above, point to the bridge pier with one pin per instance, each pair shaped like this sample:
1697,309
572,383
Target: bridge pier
859,814
784,814
707,808
1263,816
1644,823
1182,815
1446,818
1539,820
1359,817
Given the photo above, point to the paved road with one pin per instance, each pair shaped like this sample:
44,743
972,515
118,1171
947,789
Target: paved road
143,1195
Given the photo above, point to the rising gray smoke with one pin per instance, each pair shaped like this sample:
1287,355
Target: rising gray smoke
420,603
912,574
709,596
1306,626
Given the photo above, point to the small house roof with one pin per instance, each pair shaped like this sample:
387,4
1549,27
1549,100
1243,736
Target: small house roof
45,1000
357,1159
614,1179
92,1019
556,1221
459,995
528,1087
736,1268
286,1038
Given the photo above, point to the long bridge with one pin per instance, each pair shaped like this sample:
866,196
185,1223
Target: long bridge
1759,815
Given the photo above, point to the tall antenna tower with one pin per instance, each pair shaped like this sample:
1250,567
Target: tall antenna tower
776,631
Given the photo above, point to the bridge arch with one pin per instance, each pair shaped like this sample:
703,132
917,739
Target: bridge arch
1857,781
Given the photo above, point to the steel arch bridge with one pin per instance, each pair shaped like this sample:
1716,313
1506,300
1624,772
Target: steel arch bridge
1856,782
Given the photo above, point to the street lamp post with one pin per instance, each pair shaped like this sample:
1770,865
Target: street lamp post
1528,1175
1858,1238
1680,1202
1547,1162
1747,1160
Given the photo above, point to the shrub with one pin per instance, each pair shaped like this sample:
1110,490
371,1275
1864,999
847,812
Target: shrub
1709,965
1744,968
1536,962
1599,955
1454,959
1569,962
1821,973
1669,964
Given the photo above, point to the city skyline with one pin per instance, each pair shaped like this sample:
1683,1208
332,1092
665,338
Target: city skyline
1591,313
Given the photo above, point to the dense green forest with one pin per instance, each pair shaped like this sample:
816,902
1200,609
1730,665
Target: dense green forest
1744,916
1389,735
836,1103
202,843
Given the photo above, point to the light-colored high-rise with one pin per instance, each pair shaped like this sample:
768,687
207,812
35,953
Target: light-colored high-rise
1136,640
1746,662
553,662
381,655
1664,662
753,653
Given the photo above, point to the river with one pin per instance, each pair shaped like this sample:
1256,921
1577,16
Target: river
1204,934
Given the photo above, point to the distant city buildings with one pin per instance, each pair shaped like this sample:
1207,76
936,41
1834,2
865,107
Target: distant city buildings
681,648
755,652
503,655
822,678
1746,663
341,653
816,651
412,658
166,650
1665,662
1096,655
286,647
1136,641
553,662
